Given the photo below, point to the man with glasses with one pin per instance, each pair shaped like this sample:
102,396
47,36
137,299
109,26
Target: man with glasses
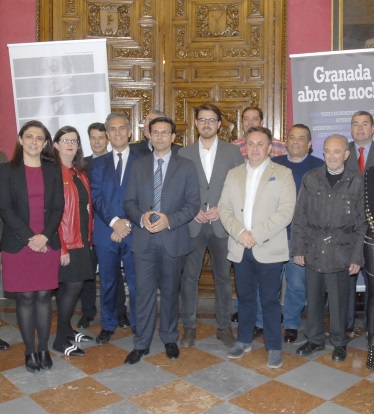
112,231
169,184
213,159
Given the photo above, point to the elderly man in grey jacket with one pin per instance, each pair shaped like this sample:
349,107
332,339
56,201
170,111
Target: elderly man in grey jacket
328,231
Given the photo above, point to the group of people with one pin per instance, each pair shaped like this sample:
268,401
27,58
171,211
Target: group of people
154,208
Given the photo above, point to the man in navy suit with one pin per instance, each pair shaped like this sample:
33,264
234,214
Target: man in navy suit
112,231
99,146
162,197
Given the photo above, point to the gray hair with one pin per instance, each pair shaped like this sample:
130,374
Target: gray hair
337,136
113,115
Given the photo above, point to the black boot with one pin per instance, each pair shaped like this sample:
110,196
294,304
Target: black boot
370,357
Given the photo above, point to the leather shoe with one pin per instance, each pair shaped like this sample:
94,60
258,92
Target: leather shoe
79,337
45,360
32,362
308,348
257,332
84,321
172,351
123,321
104,336
135,355
69,349
235,317
290,335
4,345
339,354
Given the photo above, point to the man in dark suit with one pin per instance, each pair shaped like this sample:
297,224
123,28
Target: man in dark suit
99,145
162,197
145,147
362,130
112,231
213,159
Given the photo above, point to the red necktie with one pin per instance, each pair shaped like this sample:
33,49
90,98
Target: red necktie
361,160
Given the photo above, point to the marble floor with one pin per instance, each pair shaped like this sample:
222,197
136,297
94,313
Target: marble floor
202,380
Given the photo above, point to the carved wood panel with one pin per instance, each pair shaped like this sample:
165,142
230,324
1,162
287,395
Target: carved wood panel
174,55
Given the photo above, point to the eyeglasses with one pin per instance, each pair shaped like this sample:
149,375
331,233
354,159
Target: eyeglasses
211,121
69,141
162,133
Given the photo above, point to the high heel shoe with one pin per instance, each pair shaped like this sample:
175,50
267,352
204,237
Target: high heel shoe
370,357
32,362
45,360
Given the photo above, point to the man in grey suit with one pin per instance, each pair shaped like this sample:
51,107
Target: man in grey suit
362,130
213,159
161,198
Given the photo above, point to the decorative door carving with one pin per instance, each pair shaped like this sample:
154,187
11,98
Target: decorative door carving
174,55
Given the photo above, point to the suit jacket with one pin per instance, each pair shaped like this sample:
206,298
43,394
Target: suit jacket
3,159
107,196
352,161
15,211
272,212
180,201
227,156
142,149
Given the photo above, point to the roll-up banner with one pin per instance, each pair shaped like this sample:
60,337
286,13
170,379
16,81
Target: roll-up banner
61,83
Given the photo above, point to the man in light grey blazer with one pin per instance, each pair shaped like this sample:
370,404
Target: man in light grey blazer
213,159
362,130
256,206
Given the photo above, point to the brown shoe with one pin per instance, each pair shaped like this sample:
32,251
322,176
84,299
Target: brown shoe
226,336
189,336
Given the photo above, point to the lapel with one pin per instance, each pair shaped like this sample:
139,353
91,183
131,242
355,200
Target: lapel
126,174
148,179
20,180
267,174
219,159
199,165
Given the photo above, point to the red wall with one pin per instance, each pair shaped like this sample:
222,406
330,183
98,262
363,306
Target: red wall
309,30
17,26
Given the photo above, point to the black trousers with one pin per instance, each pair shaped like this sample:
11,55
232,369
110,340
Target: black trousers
369,265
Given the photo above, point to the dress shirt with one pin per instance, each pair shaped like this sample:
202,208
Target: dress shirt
366,150
207,157
251,186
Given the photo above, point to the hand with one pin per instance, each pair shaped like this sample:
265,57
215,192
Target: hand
38,242
201,217
212,214
354,269
299,260
247,239
159,225
65,259
122,227
116,237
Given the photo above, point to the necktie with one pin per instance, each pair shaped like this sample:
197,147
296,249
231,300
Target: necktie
157,187
119,168
361,160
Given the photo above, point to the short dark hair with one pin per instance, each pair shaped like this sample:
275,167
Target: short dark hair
366,113
46,153
302,126
163,119
264,130
96,125
209,107
78,159
254,108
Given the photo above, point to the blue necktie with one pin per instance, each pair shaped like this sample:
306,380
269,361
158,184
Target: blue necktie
157,187
119,168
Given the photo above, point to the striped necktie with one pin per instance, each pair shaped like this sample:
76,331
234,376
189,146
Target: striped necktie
157,187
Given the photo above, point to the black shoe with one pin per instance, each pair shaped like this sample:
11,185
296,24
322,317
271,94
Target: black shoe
123,321
4,345
308,348
257,332
104,336
135,355
172,351
84,321
339,354
69,349
45,360
79,337
32,362
133,330
290,335
235,317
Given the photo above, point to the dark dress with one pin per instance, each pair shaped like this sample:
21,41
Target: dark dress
29,271
81,260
